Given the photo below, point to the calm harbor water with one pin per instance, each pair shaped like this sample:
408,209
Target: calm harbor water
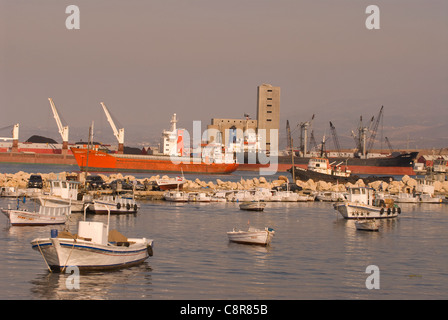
315,254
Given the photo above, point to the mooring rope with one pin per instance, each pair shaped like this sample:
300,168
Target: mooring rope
38,246
71,250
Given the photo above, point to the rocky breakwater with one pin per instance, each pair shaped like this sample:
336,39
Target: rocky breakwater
19,180
406,184
243,184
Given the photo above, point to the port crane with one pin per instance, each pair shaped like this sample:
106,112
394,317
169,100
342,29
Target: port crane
15,137
374,130
63,130
15,132
118,133
313,144
304,135
389,145
335,138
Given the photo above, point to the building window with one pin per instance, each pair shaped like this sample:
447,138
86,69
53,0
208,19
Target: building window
269,111
269,98
268,119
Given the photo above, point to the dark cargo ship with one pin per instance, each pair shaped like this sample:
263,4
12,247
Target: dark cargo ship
401,164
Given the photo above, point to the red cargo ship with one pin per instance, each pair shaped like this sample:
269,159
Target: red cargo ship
99,161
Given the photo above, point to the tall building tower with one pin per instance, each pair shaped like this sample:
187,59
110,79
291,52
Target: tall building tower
268,111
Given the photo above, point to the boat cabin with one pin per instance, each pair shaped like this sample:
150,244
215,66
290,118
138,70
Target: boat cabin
425,186
94,231
322,165
318,164
65,189
362,195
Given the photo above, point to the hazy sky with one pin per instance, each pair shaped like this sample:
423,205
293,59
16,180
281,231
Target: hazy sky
204,59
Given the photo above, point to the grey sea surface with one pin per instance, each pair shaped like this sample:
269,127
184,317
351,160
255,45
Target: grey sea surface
315,254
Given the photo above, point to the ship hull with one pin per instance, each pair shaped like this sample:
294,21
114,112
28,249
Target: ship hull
402,164
37,158
305,175
98,161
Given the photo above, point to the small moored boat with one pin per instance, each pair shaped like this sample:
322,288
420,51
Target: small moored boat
63,192
116,204
366,225
198,197
253,206
176,196
93,247
252,236
171,183
362,203
404,197
44,216
10,192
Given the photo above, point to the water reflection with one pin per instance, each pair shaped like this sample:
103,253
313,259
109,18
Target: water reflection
95,285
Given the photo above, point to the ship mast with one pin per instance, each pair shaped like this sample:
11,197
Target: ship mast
304,135
63,130
15,138
119,133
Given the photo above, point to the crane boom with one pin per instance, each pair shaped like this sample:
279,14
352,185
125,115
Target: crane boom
335,138
375,128
389,145
313,144
118,133
63,130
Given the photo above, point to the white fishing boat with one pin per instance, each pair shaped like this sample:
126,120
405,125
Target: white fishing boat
219,196
361,203
242,196
306,197
429,198
331,196
366,225
171,183
32,192
288,196
252,236
262,194
253,206
404,197
425,191
93,247
176,196
276,196
116,204
44,216
198,197
11,192
63,192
